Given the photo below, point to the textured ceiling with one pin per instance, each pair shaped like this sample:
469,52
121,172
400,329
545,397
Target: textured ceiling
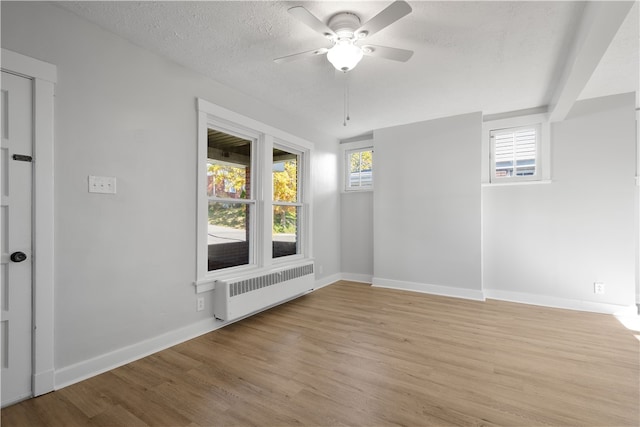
469,56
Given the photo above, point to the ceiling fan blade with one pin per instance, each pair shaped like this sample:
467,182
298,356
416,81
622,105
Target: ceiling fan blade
392,53
307,18
302,55
388,16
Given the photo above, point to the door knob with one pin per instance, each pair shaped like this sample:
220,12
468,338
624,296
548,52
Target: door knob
18,256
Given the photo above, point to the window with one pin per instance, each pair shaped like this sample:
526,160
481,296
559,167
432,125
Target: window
359,169
286,202
253,196
230,203
515,153
516,149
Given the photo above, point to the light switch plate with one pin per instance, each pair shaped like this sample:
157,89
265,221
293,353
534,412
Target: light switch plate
102,184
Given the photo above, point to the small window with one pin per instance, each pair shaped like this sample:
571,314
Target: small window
359,169
515,154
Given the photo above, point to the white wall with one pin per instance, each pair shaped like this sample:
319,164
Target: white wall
357,235
427,206
125,263
549,243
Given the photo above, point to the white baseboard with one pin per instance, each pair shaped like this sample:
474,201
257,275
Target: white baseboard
105,362
556,302
353,277
326,281
86,369
447,291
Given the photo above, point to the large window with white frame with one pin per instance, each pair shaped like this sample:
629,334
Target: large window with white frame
253,195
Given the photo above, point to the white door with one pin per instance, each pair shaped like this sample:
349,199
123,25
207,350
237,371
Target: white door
16,114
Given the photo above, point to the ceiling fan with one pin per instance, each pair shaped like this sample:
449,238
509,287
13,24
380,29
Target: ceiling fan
346,33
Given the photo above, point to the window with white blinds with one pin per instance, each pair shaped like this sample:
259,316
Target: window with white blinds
515,154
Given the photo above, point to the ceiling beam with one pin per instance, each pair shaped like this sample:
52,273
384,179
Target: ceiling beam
599,25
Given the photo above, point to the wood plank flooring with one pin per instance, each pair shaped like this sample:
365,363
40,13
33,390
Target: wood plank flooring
350,354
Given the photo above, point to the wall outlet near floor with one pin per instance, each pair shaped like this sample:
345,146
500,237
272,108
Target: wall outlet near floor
200,304
598,288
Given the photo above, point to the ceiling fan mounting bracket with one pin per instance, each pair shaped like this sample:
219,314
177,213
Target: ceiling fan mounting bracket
344,24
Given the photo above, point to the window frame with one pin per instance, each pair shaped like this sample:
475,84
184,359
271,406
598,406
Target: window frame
347,149
300,189
543,148
536,176
213,116
254,138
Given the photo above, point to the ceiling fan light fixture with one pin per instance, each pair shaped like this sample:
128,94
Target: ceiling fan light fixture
344,55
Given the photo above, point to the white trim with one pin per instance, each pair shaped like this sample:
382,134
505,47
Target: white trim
360,143
361,278
346,168
43,382
355,139
44,77
233,117
558,302
637,204
509,183
326,281
105,362
638,144
32,68
447,291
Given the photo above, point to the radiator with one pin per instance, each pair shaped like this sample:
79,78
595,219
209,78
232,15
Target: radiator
236,298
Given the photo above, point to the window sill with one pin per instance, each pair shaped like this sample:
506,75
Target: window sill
507,184
364,190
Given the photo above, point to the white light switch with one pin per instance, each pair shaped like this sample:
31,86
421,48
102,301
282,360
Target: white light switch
102,184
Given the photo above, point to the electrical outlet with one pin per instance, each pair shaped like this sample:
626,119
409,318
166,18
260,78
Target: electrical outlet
102,184
200,304
598,288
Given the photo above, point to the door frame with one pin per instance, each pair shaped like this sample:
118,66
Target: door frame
43,76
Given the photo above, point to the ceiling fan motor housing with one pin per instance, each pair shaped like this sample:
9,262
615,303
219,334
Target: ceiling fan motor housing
344,24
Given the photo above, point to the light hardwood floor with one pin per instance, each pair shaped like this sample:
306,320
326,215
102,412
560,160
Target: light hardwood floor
350,354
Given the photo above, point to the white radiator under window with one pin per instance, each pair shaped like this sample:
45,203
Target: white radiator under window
235,298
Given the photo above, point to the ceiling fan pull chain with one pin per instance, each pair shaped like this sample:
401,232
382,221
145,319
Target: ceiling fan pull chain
346,117
344,104
347,90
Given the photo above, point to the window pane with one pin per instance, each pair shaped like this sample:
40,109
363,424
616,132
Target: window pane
515,152
285,230
228,166
285,176
228,234
360,165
